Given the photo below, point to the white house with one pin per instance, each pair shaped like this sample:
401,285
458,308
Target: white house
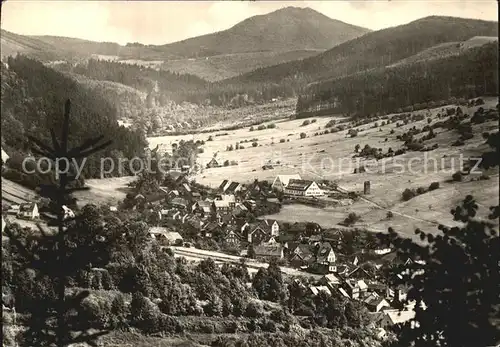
5,156
68,213
281,181
376,303
28,210
303,188
395,317
165,234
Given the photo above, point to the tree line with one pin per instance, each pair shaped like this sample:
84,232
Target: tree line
32,95
468,75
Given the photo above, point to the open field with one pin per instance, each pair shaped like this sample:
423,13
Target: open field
447,49
330,157
219,67
13,193
106,190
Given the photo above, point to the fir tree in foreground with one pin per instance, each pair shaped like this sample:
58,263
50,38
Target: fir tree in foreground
54,315
458,281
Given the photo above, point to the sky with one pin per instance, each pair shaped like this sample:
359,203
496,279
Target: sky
161,22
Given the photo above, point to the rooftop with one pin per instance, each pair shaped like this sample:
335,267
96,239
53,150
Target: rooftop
299,184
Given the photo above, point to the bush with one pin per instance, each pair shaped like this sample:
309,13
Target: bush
352,132
261,127
282,140
351,218
434,186
226,163
421,190
254,310
306,122
252,129
271,126
254,144
408,194
330,123
313,121
389,214
210,138
303,135
457,177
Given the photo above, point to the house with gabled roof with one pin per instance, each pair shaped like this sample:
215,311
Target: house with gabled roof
210,228
298,187
240,209
330,280
228,219
395,317
28,210
233,237
203,208
325,254
165,235
270,226
224,185
221,207
179,203
256,234
315,290
302,255
233,188
356,289
185,188
213,163
173,194
376,303
281,181
271,240
269,251
5,157
230,198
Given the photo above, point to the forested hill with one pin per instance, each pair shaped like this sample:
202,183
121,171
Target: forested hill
170,85
377,49
286,29
418,85
32,102
373,50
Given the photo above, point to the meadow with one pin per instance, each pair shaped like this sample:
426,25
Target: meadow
330,157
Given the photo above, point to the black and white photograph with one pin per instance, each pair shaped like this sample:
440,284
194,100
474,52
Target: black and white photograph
250,173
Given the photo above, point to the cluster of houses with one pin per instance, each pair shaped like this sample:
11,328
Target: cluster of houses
224,215
387,306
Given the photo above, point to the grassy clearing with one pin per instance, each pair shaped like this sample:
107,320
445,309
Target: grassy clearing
106,190
330,157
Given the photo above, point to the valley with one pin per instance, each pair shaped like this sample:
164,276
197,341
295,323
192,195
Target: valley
289,180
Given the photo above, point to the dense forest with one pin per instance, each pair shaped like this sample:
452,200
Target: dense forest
31,103
469,75
170,85
373,50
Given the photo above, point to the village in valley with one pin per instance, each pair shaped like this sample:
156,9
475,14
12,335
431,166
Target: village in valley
258,186
225,224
